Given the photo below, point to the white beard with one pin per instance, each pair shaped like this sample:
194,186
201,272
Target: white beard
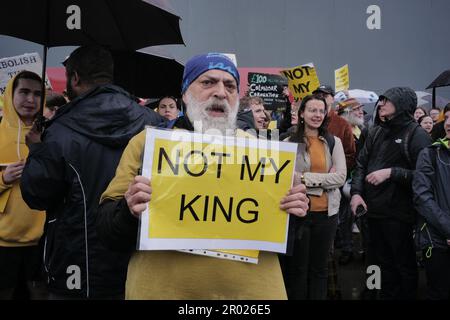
353,120
202,122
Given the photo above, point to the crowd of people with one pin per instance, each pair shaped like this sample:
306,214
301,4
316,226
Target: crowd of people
71,196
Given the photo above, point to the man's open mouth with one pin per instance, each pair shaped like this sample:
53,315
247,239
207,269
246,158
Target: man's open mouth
216,109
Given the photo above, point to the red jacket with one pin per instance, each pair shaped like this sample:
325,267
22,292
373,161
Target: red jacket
340,128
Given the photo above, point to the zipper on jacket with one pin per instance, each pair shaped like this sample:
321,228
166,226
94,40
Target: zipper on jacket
430,248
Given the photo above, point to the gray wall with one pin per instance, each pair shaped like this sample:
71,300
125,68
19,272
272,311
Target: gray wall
411,48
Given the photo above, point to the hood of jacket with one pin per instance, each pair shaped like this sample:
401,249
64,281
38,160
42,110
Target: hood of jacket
106,114
405,102
245,120
12,130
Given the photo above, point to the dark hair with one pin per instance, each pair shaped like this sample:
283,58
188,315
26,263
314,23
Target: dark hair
93,64
169,97
25,75
299,134
421,108
54,99
447,108
419,121
436,108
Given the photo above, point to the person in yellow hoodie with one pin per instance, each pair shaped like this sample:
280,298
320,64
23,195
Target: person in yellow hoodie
20,227
210,92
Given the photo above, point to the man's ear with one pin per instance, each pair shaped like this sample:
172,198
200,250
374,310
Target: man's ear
184,98
75,79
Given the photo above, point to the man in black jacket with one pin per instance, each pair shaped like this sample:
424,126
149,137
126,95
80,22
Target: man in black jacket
382,186
66,173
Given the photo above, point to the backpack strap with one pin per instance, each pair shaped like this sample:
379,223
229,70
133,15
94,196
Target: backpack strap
330,141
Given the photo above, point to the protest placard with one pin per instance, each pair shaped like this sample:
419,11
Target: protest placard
215,192
11,66
302,80
269,87
341,78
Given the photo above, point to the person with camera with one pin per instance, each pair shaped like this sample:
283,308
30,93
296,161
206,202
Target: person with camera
382,185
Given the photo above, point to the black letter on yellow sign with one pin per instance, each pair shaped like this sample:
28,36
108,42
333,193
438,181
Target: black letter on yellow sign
174,168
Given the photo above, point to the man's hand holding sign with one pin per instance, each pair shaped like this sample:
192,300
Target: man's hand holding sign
296,201
138,195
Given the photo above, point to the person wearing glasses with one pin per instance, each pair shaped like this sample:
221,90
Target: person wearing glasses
381,185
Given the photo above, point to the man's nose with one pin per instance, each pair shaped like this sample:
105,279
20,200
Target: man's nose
220,90
31,97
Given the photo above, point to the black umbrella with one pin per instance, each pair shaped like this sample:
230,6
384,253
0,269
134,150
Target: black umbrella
115,24
441,81
148,73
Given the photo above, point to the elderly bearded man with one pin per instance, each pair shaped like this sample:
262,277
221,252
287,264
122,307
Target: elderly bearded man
210,92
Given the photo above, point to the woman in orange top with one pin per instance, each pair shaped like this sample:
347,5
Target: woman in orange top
321,167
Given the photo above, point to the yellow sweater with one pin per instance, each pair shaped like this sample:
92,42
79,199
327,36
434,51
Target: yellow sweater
19,225
173,275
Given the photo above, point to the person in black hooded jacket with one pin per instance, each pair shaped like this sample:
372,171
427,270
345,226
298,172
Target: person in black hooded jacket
67,172
382,185
432,201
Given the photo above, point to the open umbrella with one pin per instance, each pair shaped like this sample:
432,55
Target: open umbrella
425,99
363,96
441,81
116,24
148,73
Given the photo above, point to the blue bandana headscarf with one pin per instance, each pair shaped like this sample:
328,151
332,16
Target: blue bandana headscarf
205,62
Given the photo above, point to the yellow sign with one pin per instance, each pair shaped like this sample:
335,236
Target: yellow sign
216,192
302,80
272,125
341,78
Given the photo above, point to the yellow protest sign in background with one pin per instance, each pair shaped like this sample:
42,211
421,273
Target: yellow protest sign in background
218,196
272,125
302,80
341,78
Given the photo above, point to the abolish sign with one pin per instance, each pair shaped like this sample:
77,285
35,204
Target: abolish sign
215,192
